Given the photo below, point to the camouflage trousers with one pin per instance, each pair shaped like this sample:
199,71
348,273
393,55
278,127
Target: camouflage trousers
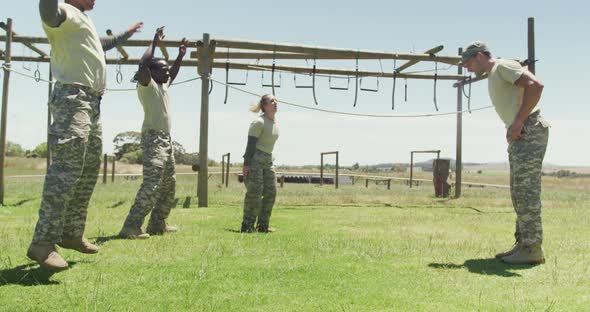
261,191
157,191
526,161
75,142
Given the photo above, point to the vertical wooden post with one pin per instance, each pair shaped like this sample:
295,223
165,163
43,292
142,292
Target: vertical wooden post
411,168
389,184
49,92
367,183
337,165
113,170
227,170
5,86
531,44
104,170
223,170
459,146
322,169
282,181
205,62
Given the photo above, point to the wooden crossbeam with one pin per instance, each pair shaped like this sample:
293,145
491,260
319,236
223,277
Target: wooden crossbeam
333,53
317,52
28,45
412,63
119,48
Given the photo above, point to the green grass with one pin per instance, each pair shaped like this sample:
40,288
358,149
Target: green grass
352,249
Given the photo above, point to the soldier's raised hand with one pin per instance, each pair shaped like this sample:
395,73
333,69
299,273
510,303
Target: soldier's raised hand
182,47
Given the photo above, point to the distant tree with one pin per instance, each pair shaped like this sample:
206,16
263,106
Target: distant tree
40,150
14,149
399,168
356,166
126,142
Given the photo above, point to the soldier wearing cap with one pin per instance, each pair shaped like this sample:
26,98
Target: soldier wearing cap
515,92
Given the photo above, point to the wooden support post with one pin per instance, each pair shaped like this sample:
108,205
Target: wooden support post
459,146
531,44
49,92
204,71
367,183
282,181
322,169
227,170
113,169
411,168
104,170
389,184
222,169
337,176
3,118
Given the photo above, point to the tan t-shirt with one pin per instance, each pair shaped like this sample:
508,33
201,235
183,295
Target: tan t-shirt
155,102
77,56
267,132
505,95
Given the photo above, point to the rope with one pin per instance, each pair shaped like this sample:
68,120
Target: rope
352,114
38,78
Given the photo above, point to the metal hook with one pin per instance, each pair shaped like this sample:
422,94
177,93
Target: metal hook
37,74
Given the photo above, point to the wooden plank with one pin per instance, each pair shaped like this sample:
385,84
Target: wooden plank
202,187
28,45
4,114
412,63
459,143
333,52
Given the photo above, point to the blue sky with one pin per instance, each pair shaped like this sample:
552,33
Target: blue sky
561,29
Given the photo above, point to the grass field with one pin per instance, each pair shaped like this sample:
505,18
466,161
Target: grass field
351,249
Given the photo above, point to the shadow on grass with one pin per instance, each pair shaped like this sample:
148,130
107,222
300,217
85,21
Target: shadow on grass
232,230
21,202
103,239
117,204
484,266
28,275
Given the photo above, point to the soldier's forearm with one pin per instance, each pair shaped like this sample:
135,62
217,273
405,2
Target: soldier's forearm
250,149
113,41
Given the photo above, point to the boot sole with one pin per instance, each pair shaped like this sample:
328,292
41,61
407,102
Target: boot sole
43,265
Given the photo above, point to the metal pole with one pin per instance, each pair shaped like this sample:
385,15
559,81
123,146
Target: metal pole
49,92
411,167
7,59
203,183
531,44
104,170
459,150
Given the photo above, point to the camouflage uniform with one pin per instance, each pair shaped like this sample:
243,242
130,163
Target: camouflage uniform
76,147
526,160
261,192
158,189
